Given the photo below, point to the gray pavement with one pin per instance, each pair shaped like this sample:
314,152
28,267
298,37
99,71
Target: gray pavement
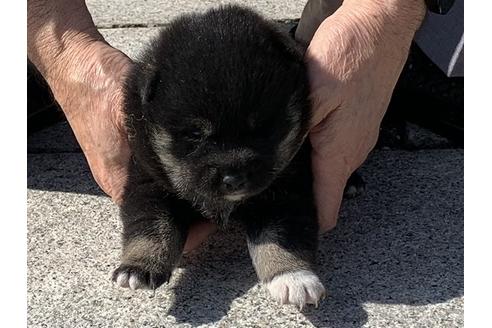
394,260
112,13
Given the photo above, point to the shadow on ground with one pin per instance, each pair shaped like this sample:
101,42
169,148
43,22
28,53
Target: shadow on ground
63,172
56,163
402,243
220,271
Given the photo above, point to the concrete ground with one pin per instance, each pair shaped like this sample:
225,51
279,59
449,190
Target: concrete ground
394,260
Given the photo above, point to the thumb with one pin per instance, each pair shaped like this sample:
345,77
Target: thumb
330,178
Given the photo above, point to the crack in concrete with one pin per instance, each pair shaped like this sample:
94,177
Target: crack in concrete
154,25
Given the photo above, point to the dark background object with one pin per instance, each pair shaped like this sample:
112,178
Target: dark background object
439,6
42,108
425,96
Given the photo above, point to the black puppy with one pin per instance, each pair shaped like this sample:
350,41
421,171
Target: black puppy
218,110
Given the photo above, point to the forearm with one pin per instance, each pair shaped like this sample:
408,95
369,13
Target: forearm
56,30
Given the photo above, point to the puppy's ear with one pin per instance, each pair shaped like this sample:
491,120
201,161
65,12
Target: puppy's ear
149,85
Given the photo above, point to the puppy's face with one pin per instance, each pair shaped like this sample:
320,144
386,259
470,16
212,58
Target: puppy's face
225,154
224,115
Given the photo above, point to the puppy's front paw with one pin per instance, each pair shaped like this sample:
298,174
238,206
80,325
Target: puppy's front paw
299,288
134,277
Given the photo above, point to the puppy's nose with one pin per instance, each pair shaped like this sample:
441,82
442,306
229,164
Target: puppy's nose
233,182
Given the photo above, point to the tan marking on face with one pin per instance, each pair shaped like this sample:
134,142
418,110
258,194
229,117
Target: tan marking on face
235,198
161,139
161,142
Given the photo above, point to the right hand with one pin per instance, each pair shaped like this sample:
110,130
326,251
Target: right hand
90,90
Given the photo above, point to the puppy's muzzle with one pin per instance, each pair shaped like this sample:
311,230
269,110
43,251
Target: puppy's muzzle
232,183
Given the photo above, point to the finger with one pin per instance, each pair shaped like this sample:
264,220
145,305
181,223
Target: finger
330,178
323,106
198,233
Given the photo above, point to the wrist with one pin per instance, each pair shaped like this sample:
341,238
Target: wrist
91,68
365,29
58,31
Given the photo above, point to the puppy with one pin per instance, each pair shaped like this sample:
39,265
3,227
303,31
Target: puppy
218,112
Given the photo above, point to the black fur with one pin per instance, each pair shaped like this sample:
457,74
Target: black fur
217,95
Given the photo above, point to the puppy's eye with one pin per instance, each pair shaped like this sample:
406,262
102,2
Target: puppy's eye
193,134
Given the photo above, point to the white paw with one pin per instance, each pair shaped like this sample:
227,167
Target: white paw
299,288
129,280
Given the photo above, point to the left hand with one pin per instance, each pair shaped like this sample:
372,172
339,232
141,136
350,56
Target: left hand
354,61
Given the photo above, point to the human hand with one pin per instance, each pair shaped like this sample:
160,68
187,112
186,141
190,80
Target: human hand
86,76
354,61
90,90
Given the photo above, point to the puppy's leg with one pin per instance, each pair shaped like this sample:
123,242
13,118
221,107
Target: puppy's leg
355,186
153,237
283,249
